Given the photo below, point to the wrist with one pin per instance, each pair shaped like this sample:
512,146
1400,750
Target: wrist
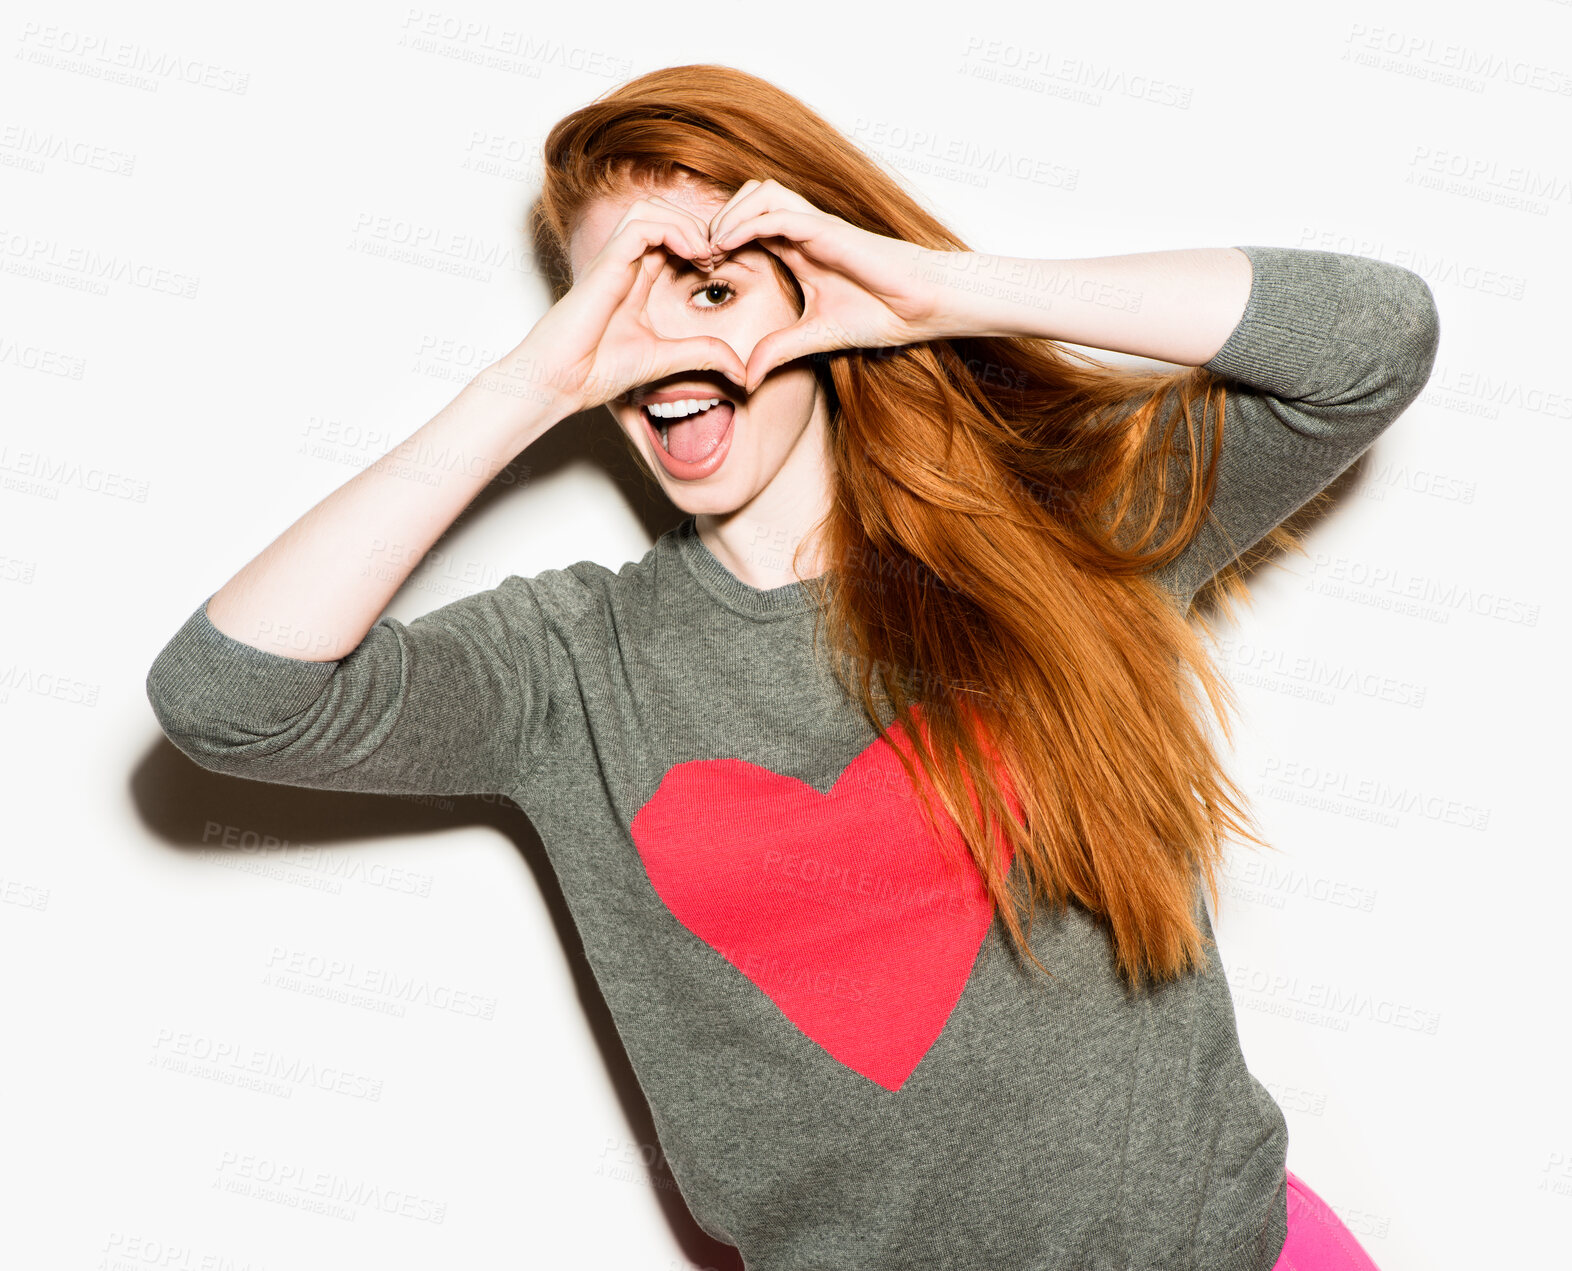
482,430
973,294
527,391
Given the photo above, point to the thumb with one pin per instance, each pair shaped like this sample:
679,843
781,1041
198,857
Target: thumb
699,353
778,348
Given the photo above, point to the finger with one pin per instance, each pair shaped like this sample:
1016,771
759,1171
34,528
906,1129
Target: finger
743,191
636,234
622,264
776,349
801,228
649,269
655,207
628,313
697,353
754,197
791,255
768,196
796,263
765,196
614,297
805,336
701,233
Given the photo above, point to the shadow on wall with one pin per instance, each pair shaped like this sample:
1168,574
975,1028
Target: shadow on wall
177,800
1259,563
590,439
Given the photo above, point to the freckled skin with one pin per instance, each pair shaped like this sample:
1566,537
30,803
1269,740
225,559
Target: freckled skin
778,469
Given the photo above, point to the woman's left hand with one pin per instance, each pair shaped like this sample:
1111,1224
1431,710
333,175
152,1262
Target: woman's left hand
860,290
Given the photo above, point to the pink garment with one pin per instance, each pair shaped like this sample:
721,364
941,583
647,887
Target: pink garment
1317,1239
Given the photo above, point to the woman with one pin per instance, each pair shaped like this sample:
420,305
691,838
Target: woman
915,666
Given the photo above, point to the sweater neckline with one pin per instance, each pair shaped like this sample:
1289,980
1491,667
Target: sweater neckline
725,586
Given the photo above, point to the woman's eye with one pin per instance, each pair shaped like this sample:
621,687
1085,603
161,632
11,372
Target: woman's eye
709,289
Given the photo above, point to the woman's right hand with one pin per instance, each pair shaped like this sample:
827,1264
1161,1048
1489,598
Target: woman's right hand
596,343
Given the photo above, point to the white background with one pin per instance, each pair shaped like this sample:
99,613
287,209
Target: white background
315,175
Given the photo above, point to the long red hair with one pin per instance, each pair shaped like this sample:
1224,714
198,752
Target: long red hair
1000,505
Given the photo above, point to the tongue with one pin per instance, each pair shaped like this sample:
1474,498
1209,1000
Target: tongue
694,436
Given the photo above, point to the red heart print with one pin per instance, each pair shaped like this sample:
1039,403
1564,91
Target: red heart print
842,907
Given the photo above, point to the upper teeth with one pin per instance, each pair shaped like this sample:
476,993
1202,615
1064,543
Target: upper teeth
676,410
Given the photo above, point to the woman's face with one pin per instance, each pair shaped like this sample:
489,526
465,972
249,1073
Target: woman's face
775,442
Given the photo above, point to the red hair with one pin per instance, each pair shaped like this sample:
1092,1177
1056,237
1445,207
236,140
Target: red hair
1000,505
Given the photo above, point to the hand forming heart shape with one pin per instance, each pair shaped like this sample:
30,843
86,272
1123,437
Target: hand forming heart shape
860,289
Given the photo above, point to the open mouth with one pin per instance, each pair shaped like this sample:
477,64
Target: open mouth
690,430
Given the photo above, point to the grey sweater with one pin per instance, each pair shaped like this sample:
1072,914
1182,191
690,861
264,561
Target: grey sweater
845,1066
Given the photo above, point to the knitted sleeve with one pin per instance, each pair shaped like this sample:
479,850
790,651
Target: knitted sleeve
1330,349
450,703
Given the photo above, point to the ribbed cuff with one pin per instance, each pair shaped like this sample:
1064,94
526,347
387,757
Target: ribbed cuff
1291,314
203,673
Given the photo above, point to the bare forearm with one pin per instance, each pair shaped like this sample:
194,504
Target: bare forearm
318,588
1176,306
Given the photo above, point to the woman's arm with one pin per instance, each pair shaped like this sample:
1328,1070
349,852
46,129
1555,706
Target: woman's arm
1176,306
451,703
284,674
314,592
1327,351
1323,350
